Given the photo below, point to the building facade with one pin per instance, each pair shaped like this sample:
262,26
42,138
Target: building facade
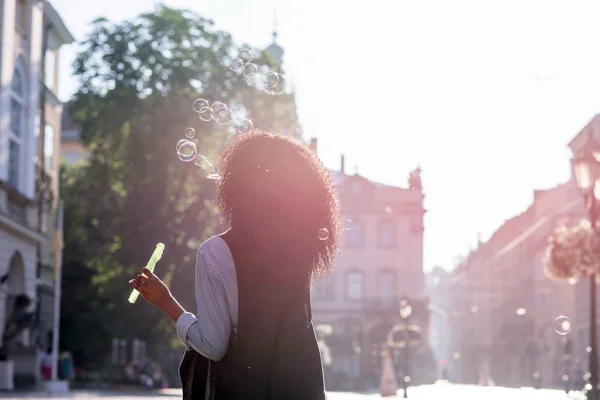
380,263
30,118
503,303
505,306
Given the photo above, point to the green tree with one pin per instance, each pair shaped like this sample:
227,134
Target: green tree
137,81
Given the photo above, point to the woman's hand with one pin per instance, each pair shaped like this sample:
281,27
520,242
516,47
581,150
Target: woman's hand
152,288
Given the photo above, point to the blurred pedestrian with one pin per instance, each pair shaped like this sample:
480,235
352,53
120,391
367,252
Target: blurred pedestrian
46,365
66,370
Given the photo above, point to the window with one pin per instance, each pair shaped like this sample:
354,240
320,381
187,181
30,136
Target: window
50,69
387,288
17,121
356,283
356,235
324,290
49,148
21,16
387,234
13,164
36,138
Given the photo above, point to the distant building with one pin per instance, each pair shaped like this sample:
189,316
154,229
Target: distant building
504,305
380,263
71,148
30,117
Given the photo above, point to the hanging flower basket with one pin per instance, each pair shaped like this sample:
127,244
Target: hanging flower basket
402,335
573,252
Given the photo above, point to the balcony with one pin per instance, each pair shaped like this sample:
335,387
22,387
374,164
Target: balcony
16,206
371,305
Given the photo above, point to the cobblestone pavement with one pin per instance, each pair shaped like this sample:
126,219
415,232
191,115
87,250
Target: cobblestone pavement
438,391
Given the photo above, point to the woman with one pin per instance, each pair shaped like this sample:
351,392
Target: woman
253,336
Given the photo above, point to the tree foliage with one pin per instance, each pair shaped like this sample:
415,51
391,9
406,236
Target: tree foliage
137,81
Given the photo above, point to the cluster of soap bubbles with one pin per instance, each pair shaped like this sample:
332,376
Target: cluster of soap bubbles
221,114
187,151
270,82
323,233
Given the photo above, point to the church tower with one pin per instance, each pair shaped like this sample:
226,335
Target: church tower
274,51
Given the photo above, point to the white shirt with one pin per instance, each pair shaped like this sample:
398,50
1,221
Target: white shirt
208,332
46,360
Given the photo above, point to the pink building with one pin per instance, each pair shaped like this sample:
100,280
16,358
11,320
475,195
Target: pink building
381,261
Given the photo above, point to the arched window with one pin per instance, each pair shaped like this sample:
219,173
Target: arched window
356,286
17,124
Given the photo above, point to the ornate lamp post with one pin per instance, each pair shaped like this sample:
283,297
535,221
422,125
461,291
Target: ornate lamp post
405,312
402,336
587,172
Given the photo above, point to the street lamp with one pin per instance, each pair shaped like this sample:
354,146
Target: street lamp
567,359
405,312
402,336
587,173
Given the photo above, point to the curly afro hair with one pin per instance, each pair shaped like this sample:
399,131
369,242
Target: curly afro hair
277,193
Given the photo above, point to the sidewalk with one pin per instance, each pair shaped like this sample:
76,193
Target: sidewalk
114,393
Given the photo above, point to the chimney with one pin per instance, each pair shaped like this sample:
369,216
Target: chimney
313,145
342,165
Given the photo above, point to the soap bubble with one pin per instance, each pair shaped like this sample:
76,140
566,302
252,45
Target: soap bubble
223,116
218,104
562,325
347,224
190,133
200,105
271,79
211,171
236,65
245,55
187,151
323,234
242,125
279,88
207,115
180,143
250,69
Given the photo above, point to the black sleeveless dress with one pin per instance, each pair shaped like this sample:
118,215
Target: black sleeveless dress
274,355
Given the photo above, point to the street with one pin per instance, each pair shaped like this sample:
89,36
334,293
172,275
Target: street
448,391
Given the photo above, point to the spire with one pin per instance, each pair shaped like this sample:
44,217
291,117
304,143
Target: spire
274,50
275,24
414,180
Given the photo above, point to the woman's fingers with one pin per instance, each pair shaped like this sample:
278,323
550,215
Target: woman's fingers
133,283
142,280
148,273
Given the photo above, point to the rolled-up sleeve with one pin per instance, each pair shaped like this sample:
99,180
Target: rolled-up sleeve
184,322
208,332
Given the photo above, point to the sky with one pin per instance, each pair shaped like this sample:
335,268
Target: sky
483,95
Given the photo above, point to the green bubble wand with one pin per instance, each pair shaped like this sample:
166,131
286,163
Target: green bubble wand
156,255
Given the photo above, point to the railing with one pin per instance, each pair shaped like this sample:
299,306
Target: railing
16,205
367,304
